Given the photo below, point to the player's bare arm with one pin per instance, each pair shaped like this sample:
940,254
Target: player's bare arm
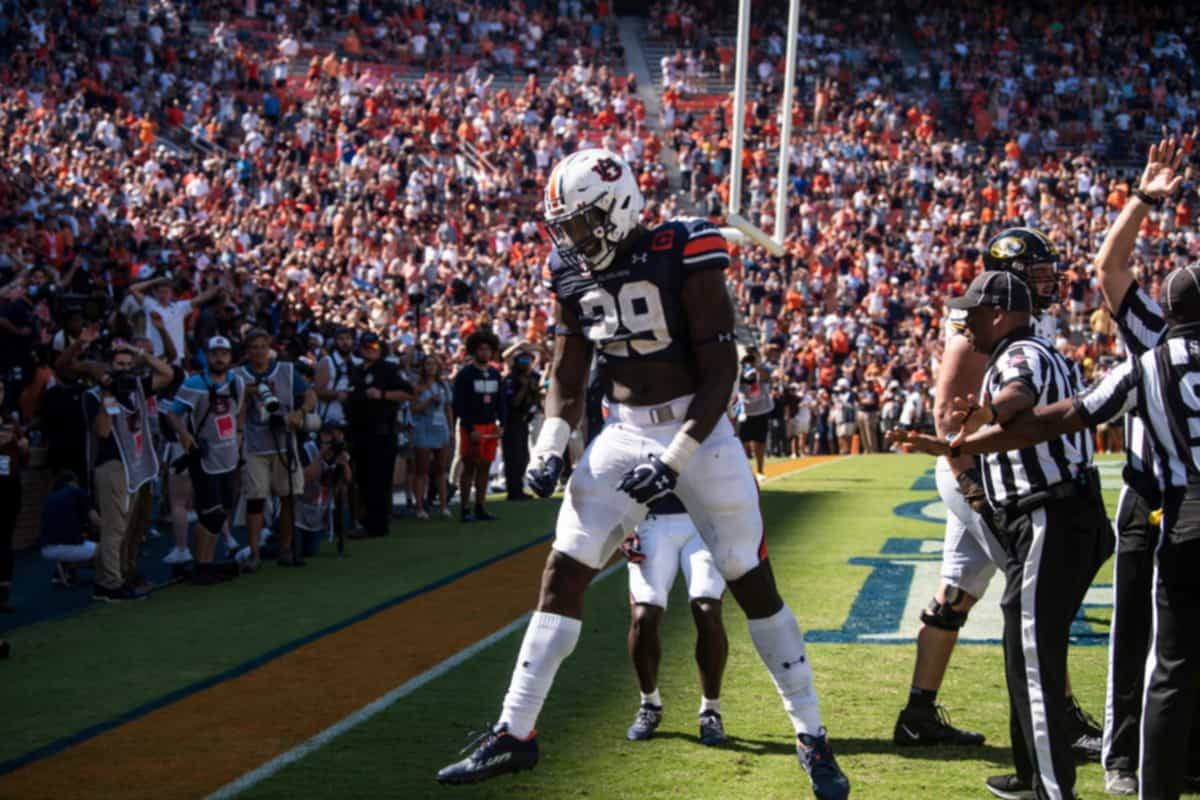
710,323
569,366
961,371
1160,179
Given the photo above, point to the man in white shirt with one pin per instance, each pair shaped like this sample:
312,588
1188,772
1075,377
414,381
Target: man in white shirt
174,312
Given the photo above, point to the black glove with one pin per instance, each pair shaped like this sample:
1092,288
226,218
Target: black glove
970,483
648,481
543,474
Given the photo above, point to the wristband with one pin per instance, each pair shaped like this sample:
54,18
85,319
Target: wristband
679,451
1153,202
955,450
552,438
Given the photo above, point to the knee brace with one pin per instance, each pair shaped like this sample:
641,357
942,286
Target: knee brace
944,615
213,519
256,506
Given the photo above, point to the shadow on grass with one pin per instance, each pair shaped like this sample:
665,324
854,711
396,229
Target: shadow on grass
990,753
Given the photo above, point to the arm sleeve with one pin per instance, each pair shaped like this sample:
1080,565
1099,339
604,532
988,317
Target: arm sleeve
1140,321
1116,394
1021,364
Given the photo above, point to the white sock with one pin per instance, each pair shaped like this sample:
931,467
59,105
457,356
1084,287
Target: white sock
549,639
781,647
652,699
710,705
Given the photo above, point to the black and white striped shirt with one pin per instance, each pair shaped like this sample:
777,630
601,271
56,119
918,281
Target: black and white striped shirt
1033,361
1141,325
1163,388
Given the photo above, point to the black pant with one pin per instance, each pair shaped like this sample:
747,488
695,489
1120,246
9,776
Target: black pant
374,462
1053,552
1174,663
515,447
10,507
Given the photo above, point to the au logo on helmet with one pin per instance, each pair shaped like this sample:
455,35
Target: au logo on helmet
608,170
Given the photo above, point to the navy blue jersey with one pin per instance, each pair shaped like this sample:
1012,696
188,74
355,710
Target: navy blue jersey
634,309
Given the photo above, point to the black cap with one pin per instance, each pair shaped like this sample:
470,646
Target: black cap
995,290
1181,295
368,338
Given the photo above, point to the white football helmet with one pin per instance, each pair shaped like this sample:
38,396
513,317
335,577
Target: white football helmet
592,203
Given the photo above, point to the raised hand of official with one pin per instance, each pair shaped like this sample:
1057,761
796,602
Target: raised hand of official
631,548
543,474
648,481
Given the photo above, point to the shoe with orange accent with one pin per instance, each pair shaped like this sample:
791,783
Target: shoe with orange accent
493,752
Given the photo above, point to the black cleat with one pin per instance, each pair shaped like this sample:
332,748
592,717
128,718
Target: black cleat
1083,732
496,752
1010,787
816,758
712,730
928,726
645,723
483,516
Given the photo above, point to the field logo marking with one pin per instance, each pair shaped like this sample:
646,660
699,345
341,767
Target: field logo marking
906,574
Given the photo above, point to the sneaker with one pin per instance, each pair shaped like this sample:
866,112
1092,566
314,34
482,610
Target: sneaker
919,726
231,544
1120,781
712,730
483,516
1083,732
178,555
422,514
447,513
494,752
153,533
1010,787
467,517
645,722
816,758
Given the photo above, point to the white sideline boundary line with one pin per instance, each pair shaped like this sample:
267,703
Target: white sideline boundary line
375,707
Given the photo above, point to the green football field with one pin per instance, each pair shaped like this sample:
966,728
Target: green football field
192,674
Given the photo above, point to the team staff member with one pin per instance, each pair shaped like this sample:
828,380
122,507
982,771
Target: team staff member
520,402
205,417
272,457
374,403
757,405
1160,386
479,406
1048,514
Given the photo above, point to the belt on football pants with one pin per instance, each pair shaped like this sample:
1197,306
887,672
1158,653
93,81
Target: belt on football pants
649,416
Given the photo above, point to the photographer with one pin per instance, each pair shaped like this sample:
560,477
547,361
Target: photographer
327,473
334,373
375,401
275,402
125,459
205,418
19,332
521,401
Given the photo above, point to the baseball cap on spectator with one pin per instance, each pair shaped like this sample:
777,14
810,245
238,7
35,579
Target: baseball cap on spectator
145,272
995,290
369,340
218,343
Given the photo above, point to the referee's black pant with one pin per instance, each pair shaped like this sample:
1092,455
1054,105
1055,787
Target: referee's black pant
374,466
1053,553
1173,666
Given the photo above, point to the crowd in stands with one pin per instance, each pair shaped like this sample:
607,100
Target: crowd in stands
179,172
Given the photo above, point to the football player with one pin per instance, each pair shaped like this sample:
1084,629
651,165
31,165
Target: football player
971,551
652,305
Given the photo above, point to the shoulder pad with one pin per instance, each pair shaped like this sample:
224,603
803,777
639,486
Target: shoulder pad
701,244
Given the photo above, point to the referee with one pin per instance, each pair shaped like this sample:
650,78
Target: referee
1049,516
1161,386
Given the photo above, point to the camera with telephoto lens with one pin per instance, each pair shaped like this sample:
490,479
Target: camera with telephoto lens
270,402
122,382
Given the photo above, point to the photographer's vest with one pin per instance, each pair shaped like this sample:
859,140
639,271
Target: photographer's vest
215,410
312,507
260,438
134,439
343,369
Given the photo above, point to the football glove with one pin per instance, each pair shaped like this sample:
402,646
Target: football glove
649,481
631,548
543,474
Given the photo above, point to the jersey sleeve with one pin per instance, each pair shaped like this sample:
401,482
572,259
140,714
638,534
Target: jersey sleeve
1140,321
1020,363
703,246
1115,394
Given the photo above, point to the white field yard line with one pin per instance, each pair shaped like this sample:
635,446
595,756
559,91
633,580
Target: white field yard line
375,707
